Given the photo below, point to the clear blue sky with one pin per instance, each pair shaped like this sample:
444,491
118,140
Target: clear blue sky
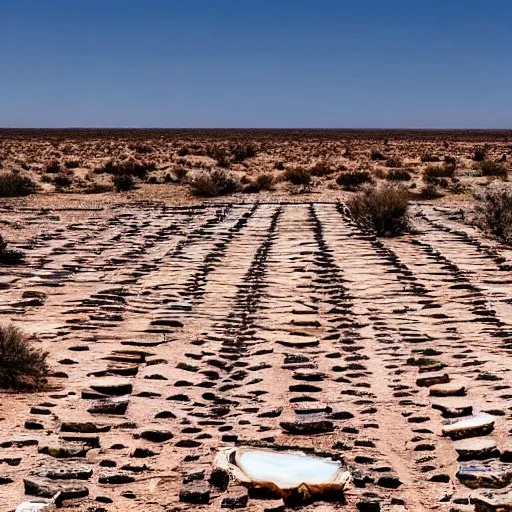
249,63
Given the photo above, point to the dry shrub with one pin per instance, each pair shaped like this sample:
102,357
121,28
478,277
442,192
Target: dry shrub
241,152
215,182
398,175
9,256
297,176
264,181
480,154
13,184
383,209
352,180
493,168
220,154
377,155
21,365
429,157
494,211
430,191
123,182
393,162
432,172
131,167
322,169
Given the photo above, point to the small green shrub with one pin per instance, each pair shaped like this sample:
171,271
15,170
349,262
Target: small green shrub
383,209
21,365
13,184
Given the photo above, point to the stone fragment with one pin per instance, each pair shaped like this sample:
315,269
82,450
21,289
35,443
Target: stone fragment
485,474
115,406
478,425
476,449
83,427
486,501
432,379
156,436
48,488
112,386
308,425
453,408
197,492
238,497
116,478
450,389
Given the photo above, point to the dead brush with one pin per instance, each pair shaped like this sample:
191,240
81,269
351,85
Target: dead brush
297,176
493,212
383,210
352,180
264,181
10,256
215,182
22,367
13,184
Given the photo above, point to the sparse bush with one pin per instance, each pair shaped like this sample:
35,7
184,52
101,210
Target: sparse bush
242,151
130,167
493,168
377,155
398,175
215,182
53,167
321,169
123,182
280,166
432,172
181,173
394,162
21,365
430,191
297,176
479,155
450,160
9,256
183,152
13,184
143,149
263,181
429,157
219,154
352,180
97,188
62,180
494,211
383,210
72,164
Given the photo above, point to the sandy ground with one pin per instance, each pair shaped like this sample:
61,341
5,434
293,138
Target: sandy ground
222,320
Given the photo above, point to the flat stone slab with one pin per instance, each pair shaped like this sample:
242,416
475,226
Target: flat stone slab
112,386
488,475
448,389
432,379
492,501
452,407
478,425
307,425
48,488
476,449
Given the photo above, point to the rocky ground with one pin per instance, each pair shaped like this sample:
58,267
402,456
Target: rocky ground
178,327
174,331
